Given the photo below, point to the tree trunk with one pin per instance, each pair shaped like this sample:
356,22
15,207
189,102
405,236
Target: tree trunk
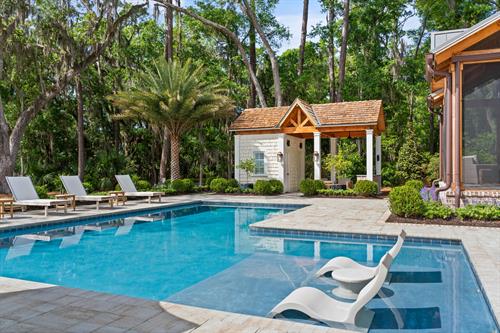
272,56
80,128
169,33
175,147
303,35
253,60
343,51
6,169
179,29
331,54
164,155
231,35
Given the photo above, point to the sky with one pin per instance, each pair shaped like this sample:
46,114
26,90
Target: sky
289,13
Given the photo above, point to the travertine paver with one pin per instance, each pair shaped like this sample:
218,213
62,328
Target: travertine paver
33,307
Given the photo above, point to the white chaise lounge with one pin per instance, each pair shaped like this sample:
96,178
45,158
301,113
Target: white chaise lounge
345,262
74,186
321,307
127,186
24,194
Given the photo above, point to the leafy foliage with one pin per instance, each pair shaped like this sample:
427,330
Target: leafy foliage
248,166
337,193
479,212
436,210
310,187
411,161
406,201
267,187
366,188
219,185
347,162
416,184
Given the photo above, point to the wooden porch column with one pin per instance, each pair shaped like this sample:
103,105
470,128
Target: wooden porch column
317,155
333,151
369,154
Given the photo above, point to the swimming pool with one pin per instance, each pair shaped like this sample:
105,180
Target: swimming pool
205,255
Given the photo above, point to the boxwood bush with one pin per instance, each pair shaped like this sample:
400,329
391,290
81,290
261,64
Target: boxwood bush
277,186
182,185
406,201
337,193
219,185
416,184
263,187
366,188
310,187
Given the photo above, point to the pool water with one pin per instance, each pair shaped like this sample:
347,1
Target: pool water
205,255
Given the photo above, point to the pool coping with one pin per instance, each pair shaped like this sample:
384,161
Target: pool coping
470,246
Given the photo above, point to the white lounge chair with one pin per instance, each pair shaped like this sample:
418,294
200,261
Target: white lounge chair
74,186
321,307
127,186
24,194
345,262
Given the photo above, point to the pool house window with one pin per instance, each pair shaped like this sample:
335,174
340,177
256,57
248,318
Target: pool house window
259,163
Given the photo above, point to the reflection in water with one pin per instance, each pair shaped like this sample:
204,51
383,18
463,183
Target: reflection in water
406,318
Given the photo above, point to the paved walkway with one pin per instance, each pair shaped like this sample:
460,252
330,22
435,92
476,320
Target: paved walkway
34,307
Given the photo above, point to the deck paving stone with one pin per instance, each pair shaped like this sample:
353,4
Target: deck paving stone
54,309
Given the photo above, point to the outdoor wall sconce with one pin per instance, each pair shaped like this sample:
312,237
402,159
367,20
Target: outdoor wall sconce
279,156
316,156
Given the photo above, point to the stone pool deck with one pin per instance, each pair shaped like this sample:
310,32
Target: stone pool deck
35,307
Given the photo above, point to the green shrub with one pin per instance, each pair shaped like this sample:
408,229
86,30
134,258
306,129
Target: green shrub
202,188
479,212
416,184
142,185
366,188
277,186
105,184
406,201
436,210
219,185
42,191
169,191
337,193
248,191
310,187
231,182
88,187
263,187
182,185
231,189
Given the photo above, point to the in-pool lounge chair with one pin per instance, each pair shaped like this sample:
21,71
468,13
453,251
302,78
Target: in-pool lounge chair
74,186
127,186
321,307
24,194
351,276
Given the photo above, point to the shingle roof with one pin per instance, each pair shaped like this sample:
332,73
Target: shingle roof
330,114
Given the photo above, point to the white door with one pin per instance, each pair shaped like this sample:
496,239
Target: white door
292,168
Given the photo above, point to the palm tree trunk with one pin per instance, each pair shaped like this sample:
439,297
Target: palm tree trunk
175,147
164,155
343,50
80,128
331,54
303,35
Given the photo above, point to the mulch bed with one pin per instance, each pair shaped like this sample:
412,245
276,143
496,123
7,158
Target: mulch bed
452,221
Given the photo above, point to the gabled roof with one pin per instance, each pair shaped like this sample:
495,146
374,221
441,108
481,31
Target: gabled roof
304,106
325,115
460,41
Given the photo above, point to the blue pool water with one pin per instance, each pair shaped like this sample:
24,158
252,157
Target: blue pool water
204,255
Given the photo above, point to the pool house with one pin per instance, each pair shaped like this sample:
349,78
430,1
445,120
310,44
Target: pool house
463,69
275,138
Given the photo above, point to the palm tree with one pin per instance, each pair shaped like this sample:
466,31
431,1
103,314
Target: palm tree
176,97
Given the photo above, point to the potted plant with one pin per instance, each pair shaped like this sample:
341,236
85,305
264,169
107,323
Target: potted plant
249,167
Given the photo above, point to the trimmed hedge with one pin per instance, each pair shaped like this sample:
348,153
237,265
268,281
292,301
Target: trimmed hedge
310,187
267,187
219,185
337,193
182,185
406,201
366,188
416,184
